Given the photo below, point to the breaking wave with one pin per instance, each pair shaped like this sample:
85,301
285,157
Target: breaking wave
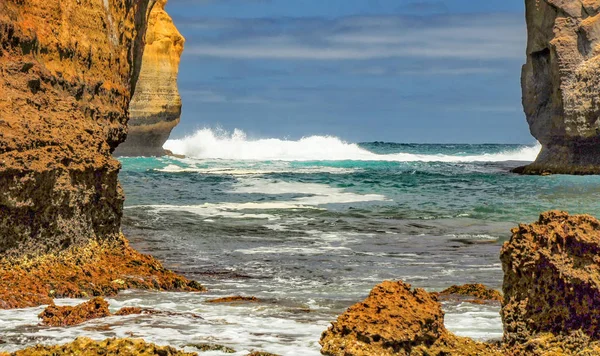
217,144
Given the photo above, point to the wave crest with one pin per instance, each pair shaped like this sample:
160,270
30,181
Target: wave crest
218,144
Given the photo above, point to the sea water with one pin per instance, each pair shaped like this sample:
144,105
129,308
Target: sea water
309,227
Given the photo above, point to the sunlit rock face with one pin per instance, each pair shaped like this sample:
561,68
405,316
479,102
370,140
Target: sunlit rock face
561,85
156,106
67,72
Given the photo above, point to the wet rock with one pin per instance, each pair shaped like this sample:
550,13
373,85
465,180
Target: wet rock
212,347
479,291
109,347
98,269
261,353
68,316
552,277
234,299
396,320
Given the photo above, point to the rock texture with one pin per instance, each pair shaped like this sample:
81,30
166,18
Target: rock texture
561,85
109,347
478,291
552,277
67,71
396,320
97,269
156,105
94,308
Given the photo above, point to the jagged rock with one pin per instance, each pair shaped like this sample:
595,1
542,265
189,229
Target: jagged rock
94,308
561,85
98,269
109,347
396,320
155,108
552,277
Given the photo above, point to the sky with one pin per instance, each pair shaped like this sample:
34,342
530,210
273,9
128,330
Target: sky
411,71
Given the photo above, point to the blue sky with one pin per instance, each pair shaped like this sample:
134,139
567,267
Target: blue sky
436,71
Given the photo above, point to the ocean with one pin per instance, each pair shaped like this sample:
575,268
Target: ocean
309,227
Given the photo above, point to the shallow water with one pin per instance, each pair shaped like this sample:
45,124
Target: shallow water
311,237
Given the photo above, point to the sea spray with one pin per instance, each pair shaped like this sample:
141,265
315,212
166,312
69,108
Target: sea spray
218,144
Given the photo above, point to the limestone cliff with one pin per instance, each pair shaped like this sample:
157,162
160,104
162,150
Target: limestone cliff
156,105
67,70
561,85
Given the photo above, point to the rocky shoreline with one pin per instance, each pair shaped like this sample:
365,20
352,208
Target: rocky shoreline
551,298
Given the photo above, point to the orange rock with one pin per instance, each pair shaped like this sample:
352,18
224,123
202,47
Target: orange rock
109,347
233,299
98,269
129,311
552,277
68,316
155,108
396,320
479,291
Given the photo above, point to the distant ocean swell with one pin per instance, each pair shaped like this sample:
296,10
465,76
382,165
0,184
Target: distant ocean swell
218,144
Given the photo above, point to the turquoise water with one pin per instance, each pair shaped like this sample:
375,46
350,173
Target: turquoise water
309,227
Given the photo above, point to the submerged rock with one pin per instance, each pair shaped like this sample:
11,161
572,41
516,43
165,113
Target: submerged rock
109,347
478,291
561,85
552,277
234,299
155,108
396,320
68,316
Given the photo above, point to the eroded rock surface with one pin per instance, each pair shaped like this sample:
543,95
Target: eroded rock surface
561,85
67,71
396,320
552,277
155,108
97,269
109,347
55,315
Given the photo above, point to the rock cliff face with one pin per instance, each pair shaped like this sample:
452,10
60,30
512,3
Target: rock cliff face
552,278
156,105
67,70
561,85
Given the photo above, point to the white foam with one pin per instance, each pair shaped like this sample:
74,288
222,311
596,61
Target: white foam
217,144
240,171
319,194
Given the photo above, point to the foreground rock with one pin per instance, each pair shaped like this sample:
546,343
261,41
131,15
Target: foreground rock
98,269
561,85
68,316
552,277
109,347
155,108
396,320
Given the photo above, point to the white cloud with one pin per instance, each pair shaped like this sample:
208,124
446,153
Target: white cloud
489,37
